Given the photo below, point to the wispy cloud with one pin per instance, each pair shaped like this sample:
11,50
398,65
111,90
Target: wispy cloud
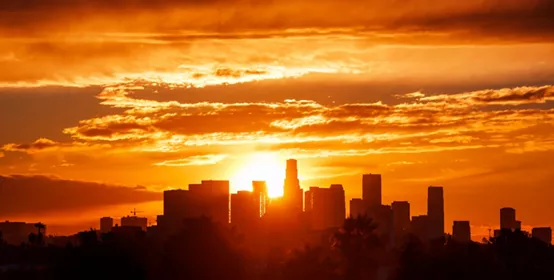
193,160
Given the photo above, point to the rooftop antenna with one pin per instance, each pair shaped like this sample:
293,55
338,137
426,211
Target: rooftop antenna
134,212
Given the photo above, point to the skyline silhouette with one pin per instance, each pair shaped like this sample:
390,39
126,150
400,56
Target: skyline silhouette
318,208
273,140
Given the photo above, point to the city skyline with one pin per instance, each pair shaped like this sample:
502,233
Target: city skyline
108,103
321,208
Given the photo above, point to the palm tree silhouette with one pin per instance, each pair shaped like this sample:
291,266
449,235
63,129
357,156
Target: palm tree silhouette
40,232
360,247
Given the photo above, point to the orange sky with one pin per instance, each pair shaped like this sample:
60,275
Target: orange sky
165,93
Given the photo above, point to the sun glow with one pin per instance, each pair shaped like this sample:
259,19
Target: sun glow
266,167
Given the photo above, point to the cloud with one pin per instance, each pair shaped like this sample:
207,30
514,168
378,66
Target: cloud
193,160
38,145
506,96
25,194
171,133
216,42
227,17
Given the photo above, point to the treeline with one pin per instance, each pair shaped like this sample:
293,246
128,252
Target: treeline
205,251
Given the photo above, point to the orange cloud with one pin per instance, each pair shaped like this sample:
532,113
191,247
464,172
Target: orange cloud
201,133
193,160
77,195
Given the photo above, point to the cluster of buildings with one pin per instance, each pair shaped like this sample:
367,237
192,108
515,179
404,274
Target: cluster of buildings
317,209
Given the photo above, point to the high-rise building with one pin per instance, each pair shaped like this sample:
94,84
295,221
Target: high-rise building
401,216
358,207
435,212
215,196
371,189
178,205
134,221
210,198
384,218
293,194
16,233
259,190
508,218
338,203
244,210
543,234
106,224
461,231
419,227
325,208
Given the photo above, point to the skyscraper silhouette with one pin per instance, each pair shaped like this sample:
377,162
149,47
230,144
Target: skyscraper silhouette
371,190
325,208
106,224
259,189
419,226
244,210
435,212
293,194
357,207
507,218
461,231
543,234
401,216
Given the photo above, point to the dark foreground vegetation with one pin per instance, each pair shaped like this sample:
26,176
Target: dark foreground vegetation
204,250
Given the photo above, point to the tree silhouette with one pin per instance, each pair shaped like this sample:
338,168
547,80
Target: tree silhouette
360,247
40,233
311,263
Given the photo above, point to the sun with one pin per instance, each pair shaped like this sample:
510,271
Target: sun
266,167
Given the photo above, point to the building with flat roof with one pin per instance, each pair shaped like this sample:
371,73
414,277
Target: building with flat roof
358,207
245,210
371,189
106,224
461,231
508,218
325,207
419,227
134,221
15,233
435,212
401,216
543,234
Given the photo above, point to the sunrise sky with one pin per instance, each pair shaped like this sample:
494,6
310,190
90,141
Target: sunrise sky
126,98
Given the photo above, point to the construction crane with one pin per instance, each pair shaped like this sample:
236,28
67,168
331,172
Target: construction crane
134,212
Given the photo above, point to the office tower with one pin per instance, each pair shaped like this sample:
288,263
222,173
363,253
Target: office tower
106,224
244,210
461,231
419,227
259,189
214,195
401,216
518,225
134,221
384,218
338,204
178,205
543,234
325,208
508,218
371,189
357,207
435,212
15,233
293,194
